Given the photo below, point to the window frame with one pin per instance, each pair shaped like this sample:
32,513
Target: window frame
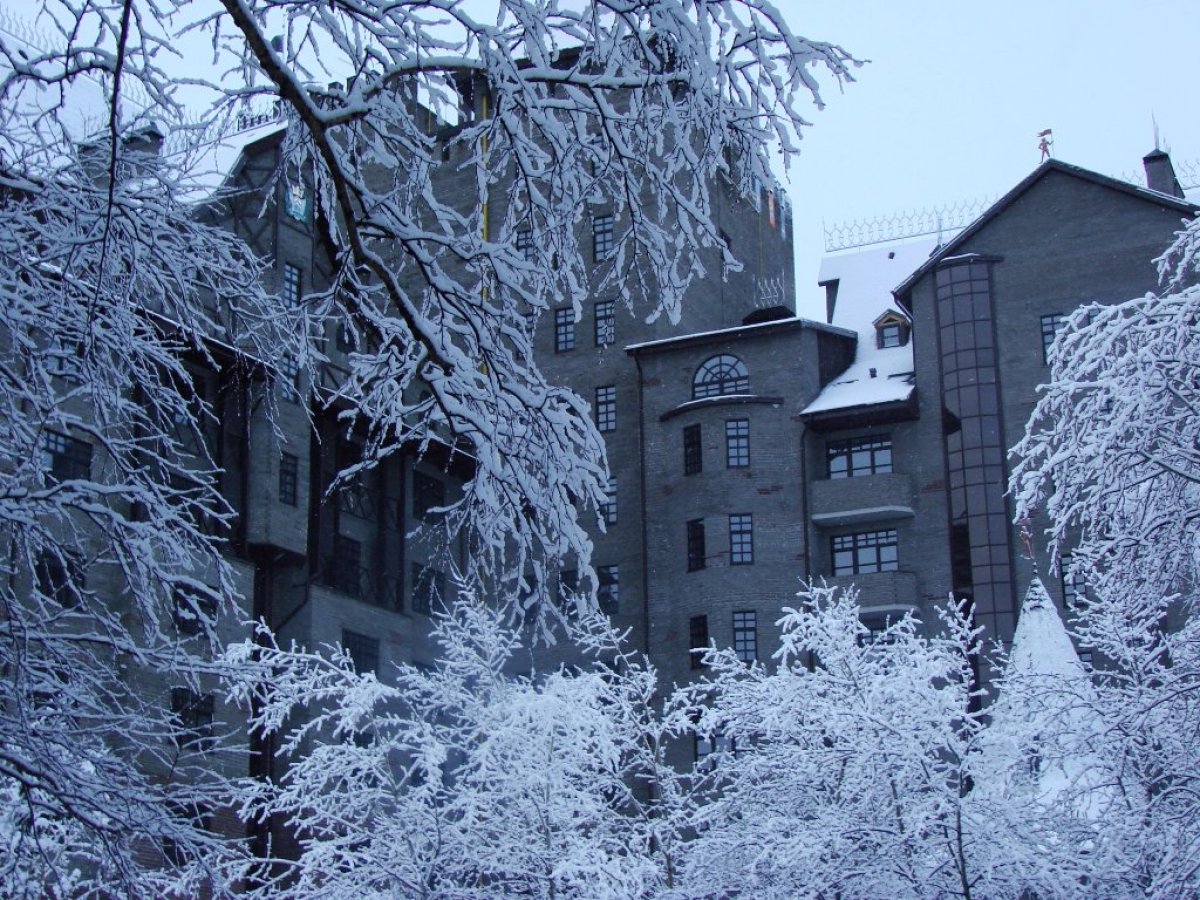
66,458
564,329
608,590
693,450
1073,585
890,334
289,478
1051,324
874,446
363,650
745,635
721,375
604,242
194,713
697,555
606,408
428,494
523,244
876,540
293,286
698,641
605,323
608,507
737,443
741,539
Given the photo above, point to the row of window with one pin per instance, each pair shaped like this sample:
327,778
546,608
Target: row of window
605,326
745,637
737,446
741,542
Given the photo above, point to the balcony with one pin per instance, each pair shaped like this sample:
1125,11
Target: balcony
882,591
837,502
361,583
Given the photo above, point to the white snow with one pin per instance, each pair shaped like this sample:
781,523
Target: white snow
865,281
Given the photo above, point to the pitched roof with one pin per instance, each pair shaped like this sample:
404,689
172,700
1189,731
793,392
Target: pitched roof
1049,166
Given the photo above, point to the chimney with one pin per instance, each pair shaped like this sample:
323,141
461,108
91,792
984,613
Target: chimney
1160,174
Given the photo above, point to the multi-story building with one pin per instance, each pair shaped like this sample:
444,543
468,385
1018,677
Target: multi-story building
873,450
750,450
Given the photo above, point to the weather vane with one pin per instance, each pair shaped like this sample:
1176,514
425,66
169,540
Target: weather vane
1046,142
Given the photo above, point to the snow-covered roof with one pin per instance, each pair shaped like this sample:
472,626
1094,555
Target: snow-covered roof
865,278
1040,645
206,165
734,331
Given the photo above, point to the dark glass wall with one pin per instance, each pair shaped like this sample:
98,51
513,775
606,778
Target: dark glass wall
981,549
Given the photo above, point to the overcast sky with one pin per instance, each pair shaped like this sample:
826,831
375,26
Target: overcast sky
950,106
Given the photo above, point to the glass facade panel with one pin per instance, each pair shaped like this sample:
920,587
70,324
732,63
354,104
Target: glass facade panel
979,535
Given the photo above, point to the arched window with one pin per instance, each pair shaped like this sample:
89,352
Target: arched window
719,375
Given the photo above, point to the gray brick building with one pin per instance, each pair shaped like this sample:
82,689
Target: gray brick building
750,450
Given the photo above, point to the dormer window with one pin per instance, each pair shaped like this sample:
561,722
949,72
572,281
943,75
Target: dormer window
891,330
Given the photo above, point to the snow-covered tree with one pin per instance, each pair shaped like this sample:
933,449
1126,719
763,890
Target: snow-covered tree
466,780
844,765
443,139
1110,459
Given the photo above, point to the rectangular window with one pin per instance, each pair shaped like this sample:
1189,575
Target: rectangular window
524,243
890,335
697,640
428,588
745,635
564,329
193,718
292,287
1051,325
192,610
865,552
1074,585
568,584
741,539
737,443
344,567
289,377
65,457
696,557
602,237
429,494
859,456
608,595
606,323
363,650
606,408
693,455
64,359
709,744
289,478
608,509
